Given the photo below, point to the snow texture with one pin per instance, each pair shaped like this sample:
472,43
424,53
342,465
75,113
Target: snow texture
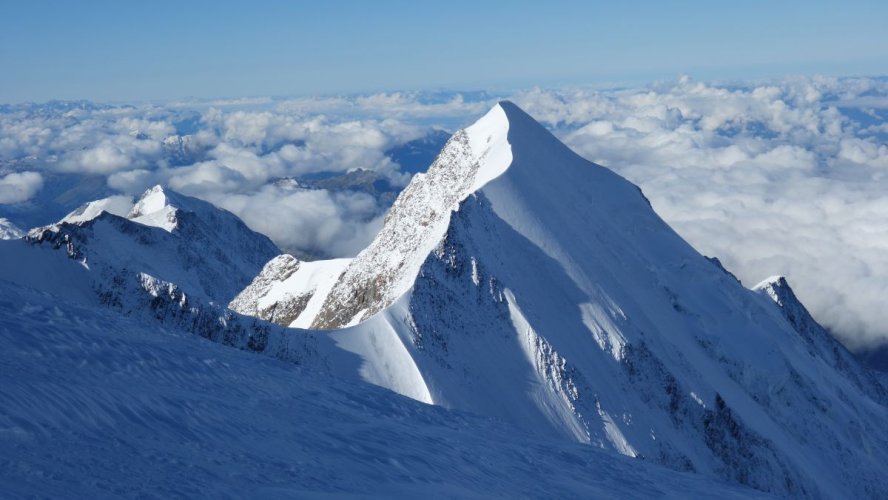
97,405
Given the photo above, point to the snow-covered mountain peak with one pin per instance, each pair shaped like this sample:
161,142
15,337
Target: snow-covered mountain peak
162,207
152,200
157,207
9,231
488,141
503,133
205,250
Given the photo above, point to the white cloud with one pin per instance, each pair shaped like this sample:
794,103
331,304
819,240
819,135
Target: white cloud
19,186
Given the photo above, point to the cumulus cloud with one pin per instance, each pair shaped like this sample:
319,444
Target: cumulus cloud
19,186
308,222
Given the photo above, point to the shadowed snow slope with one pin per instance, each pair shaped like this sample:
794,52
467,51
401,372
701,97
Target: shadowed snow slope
96,405
818,341
517,280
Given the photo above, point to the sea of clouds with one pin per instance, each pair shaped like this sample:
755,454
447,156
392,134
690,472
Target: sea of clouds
783,177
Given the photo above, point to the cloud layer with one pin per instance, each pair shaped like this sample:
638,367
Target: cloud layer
783,177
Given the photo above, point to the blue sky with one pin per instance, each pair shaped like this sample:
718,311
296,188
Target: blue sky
135,51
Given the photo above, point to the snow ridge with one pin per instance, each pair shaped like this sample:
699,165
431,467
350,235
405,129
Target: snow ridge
215,422
203,249
9,231
116,205
818,340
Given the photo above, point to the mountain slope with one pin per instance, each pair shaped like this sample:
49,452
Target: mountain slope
517,280
288,291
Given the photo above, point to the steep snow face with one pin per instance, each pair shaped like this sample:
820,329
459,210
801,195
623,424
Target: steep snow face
98,405
519,281
9,231
45,269
289,292
208,252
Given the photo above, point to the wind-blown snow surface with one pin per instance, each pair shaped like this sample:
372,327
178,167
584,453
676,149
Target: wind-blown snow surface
517,280
97,405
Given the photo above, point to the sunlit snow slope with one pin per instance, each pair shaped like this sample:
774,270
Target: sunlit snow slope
517,280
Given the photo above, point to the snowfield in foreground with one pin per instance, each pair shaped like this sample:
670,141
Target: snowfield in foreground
95,405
